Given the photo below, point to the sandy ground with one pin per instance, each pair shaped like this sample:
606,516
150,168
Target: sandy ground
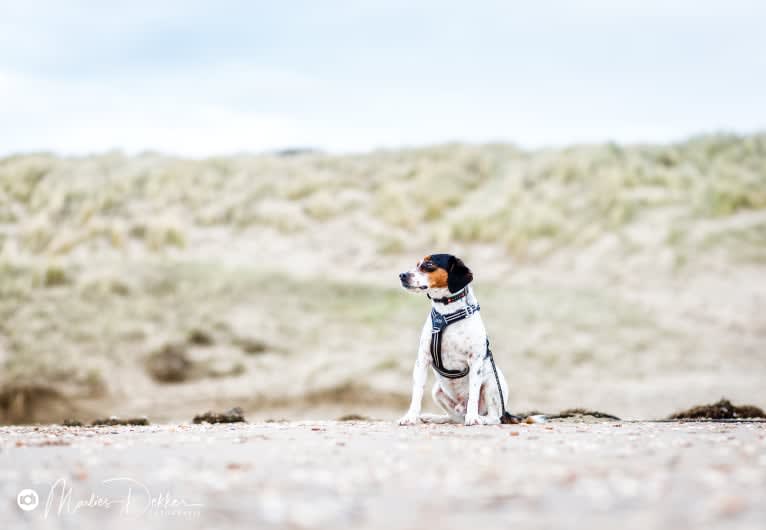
377,475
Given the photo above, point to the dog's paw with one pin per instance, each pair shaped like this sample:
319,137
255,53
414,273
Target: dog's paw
473,419
410,419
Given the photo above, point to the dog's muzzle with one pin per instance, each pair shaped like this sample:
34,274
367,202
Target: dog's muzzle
404,277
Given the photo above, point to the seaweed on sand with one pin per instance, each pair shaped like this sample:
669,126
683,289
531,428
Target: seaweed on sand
234,415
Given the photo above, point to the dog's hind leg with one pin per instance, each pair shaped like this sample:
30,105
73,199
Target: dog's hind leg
447,404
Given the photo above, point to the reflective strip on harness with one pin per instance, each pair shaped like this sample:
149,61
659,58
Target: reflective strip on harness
439,322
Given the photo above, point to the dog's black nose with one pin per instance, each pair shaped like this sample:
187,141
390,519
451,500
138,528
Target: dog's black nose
402,276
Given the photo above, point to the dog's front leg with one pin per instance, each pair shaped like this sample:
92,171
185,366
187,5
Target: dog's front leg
474,389
419,376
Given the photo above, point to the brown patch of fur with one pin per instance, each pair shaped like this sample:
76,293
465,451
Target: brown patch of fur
437,278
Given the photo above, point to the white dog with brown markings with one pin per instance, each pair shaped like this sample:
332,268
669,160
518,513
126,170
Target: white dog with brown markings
469,387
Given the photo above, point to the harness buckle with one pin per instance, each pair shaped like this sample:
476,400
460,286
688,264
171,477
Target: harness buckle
438,322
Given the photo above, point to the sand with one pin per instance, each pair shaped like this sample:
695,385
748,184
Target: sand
319,474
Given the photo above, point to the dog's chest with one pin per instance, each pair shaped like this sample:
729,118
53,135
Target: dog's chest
460,342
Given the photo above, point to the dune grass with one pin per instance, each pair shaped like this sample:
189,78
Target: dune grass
101,272
532,202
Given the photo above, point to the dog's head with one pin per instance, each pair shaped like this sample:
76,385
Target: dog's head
435,273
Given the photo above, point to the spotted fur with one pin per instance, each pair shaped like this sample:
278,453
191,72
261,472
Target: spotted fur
473,399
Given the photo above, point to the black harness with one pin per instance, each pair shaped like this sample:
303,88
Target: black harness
439,323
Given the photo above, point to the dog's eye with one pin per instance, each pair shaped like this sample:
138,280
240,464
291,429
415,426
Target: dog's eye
427,267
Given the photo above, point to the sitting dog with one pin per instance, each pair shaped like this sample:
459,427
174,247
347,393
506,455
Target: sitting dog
469,388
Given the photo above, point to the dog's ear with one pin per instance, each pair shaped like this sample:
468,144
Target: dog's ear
458,275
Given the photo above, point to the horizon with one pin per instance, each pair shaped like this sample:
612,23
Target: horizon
300,150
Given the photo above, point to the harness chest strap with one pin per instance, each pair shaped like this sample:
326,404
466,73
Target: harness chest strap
438,323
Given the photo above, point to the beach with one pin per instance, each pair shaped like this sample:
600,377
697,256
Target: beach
375,474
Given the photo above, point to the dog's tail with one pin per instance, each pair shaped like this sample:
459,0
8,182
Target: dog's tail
508,418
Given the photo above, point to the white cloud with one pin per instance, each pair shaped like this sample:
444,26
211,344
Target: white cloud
88,77
181,115
212,112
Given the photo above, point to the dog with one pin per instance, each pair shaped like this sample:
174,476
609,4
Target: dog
469,387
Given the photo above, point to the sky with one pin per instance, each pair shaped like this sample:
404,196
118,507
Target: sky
197,79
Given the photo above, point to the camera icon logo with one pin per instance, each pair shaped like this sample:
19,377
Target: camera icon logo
27,500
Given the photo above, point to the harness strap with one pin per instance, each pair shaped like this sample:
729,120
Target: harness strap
439,322
497,379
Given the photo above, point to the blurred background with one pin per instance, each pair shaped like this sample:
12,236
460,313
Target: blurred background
207,204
